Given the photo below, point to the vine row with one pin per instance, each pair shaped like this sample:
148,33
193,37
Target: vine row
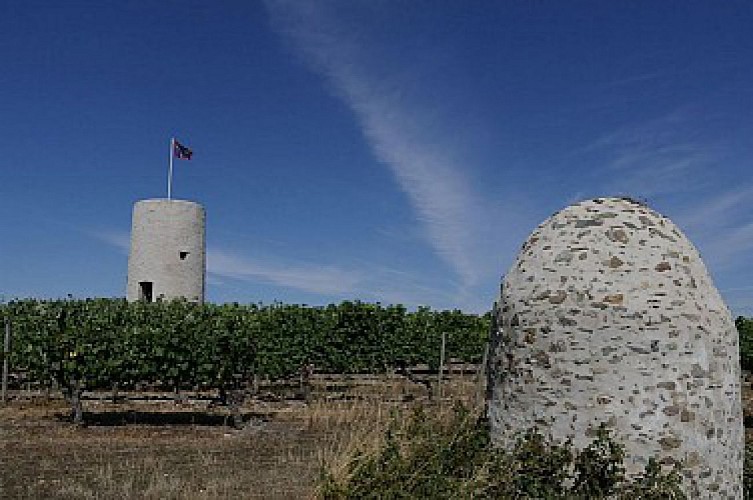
98,343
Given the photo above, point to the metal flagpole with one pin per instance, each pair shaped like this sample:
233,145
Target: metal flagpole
170,170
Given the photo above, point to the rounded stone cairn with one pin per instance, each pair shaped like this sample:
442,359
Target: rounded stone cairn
609,315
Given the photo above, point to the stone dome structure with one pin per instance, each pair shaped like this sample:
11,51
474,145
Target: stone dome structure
609,315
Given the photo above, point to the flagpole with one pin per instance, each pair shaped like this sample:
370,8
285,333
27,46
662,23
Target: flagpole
170,170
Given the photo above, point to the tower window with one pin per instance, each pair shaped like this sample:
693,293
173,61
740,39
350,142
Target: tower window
183,255
145,291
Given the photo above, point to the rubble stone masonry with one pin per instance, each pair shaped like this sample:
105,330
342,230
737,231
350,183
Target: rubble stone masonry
609,315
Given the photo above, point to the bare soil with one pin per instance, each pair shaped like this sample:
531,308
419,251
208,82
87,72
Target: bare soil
159,448
152,447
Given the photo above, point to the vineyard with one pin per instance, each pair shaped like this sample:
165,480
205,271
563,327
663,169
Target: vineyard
156,445
104,343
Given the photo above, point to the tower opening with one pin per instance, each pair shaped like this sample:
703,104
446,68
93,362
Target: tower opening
145,291
183,255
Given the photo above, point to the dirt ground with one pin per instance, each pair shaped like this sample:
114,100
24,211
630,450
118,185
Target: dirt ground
156,448
159,448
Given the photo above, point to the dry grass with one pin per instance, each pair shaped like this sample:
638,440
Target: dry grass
361,427
184,451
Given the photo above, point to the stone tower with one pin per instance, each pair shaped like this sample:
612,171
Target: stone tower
608,315
167,258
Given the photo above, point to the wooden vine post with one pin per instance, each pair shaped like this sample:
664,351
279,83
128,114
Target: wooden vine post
441,365
77,411
6,354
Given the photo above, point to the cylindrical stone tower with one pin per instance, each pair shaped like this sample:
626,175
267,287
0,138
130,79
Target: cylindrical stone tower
609,316
168,257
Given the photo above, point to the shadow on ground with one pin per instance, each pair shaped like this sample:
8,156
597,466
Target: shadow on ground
159,418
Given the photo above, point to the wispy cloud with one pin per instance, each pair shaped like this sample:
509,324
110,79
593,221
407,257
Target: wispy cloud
328,280
396,131
721,225
728,245
711,213
117,239
396,286
642,77
655,157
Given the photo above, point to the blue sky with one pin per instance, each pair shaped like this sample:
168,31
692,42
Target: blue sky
388,151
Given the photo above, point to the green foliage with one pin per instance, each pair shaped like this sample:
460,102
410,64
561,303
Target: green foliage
598,468
432,458
654,484
97,343
534,468
745,331
101,342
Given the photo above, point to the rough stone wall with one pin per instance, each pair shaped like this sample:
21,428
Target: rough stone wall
162,232
609,315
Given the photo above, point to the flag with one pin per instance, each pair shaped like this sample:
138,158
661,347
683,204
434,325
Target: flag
181,152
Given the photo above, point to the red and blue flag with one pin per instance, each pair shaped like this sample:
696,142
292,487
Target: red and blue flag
181,152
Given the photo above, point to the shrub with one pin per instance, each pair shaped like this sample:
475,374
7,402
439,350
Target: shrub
435,457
